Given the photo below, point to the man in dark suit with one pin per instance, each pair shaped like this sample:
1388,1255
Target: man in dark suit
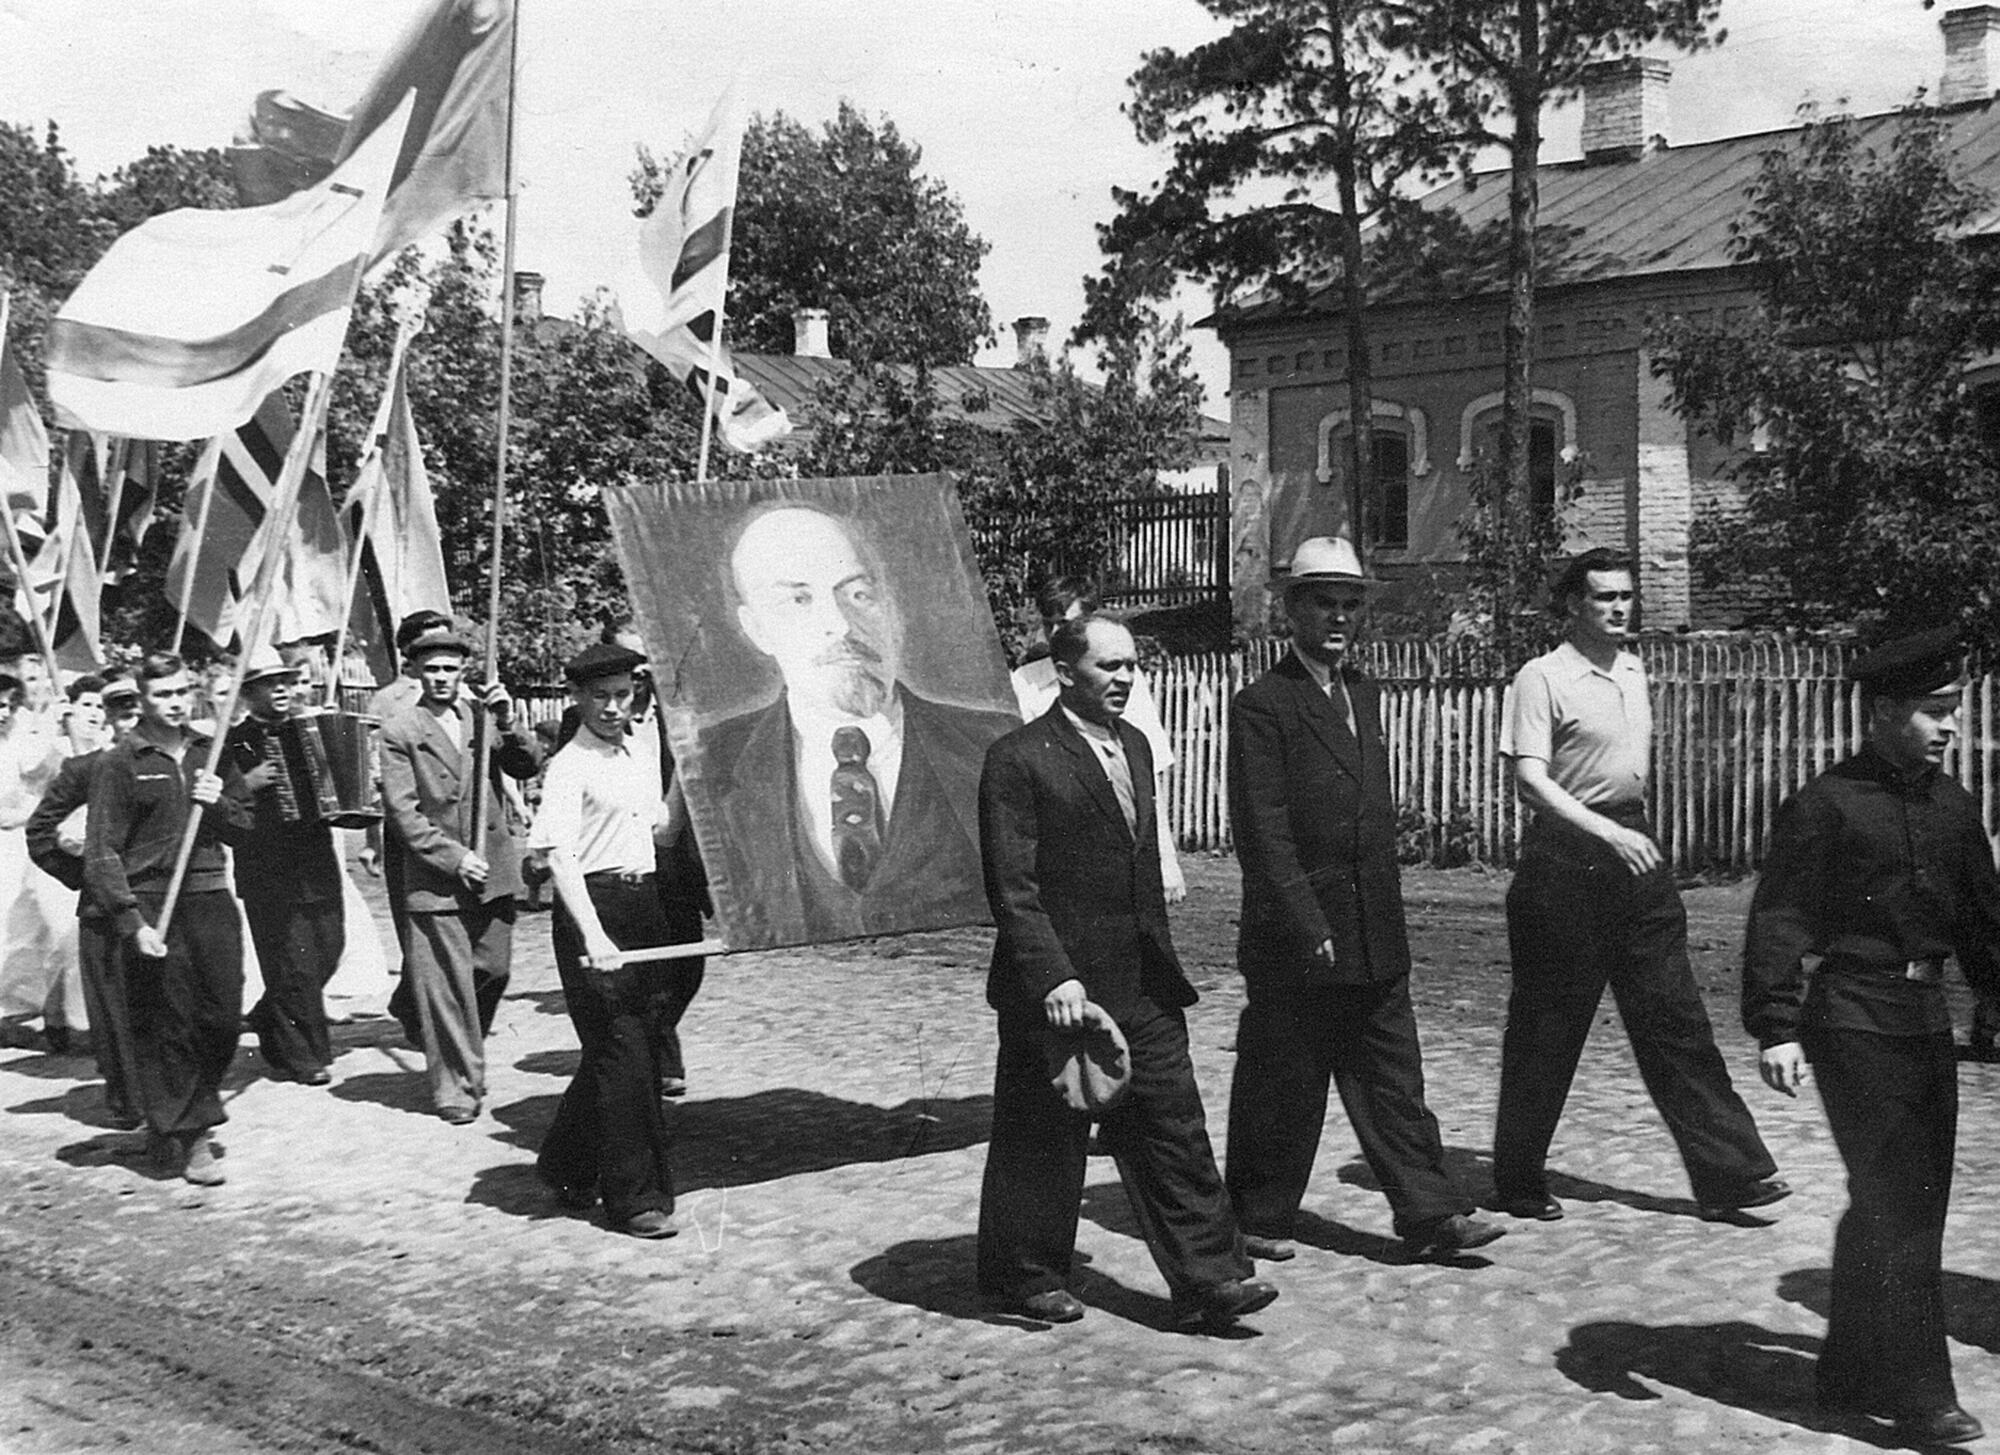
1322,944
847,805
460,898
1073,875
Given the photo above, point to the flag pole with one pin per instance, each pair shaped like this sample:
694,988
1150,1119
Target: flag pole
17,554
284,514
484,756
370,502
194,554
121,451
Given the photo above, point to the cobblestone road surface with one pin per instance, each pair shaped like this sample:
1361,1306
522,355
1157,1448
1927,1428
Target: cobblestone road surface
370,1277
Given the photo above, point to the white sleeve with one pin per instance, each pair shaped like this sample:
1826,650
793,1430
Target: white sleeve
559,821
1144,714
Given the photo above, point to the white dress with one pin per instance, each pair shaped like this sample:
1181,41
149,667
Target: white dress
39,970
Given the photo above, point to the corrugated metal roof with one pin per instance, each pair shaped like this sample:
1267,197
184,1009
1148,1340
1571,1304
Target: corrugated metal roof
987,398
1668,211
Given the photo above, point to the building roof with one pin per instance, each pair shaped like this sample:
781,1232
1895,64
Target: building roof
1669,210
985,397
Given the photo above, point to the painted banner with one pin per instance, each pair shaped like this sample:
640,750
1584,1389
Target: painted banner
829,679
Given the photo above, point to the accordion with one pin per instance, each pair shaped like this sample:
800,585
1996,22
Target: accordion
329,769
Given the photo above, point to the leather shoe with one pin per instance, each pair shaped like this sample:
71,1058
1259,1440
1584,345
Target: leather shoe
200,1168
1537,1206
458,1116
1459,1233
1050,1306
651,1223
318,1076
1946,1425
673,1086
1224,1304
1755,1194
1269,1250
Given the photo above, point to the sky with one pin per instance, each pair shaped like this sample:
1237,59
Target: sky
1015,105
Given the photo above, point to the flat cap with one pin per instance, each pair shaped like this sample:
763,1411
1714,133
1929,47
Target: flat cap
604,659
416,624
1913,666
436,639
120,687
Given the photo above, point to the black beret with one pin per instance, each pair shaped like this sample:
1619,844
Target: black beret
1913,666
605,659
416,624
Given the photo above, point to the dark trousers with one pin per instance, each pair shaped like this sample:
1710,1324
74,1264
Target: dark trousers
1031,1197
403,999
1578,920
1290,1044
298,949
610,1130
682,907
100,965
457,968
186,1011
1892,1102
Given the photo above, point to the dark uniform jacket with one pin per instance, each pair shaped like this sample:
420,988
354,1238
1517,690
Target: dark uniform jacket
1315,831
281,861
68,791
1076,894
1870,868
427,800
139,807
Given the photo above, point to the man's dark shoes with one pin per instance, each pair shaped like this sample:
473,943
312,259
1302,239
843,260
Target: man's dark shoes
1754,1195
1538,1206
1223,1305
1459,1233
318,1076
1945,1425
672,1086
1050,1306
1269,1250
652,1223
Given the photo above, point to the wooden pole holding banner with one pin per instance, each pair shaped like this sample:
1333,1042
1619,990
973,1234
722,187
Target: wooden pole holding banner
721,309
117,465
404,333
17,554
481,797
284,514
186,603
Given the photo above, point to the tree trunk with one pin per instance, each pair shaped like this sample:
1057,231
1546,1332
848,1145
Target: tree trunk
1523,200
1360,401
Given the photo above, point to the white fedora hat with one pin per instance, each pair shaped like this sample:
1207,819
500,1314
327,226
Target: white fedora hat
1327,558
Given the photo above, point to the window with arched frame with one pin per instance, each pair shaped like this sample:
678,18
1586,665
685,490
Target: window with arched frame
1552,440
1401,443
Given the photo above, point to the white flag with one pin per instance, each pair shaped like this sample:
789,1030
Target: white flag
194,317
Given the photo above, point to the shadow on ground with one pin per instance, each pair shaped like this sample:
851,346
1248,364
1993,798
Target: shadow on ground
1472,1172
1971,1303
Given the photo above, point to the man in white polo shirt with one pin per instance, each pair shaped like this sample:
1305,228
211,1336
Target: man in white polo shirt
1593,903
602,811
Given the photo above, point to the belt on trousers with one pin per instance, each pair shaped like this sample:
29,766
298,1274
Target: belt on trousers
622,876
1925,972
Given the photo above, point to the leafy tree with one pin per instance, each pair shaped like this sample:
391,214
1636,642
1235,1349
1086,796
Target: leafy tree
1877,499
1298,95
841,219
166,178
1508,59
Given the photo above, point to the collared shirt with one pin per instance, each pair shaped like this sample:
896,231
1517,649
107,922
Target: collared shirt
1336,692
1111,754
1871,868
812,747
1036,685
139,806
1592,726
600,801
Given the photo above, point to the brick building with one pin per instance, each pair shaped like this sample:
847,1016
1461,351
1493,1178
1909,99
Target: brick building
1641,230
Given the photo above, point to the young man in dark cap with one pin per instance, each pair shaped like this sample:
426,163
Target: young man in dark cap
1593,903
604,815
460,896
288,877
1879,868
184,987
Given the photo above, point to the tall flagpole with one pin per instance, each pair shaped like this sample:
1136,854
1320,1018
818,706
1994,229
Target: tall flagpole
722,305
283,515
114,497
186,602
17,554
480,795
405,331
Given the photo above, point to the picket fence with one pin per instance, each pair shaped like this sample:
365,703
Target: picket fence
1739,723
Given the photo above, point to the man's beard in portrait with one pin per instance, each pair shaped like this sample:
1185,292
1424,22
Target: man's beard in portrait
857,678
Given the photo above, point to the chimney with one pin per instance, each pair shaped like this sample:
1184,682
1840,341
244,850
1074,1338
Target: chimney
1968,54
1624,107
528,296
809,334
1031,340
